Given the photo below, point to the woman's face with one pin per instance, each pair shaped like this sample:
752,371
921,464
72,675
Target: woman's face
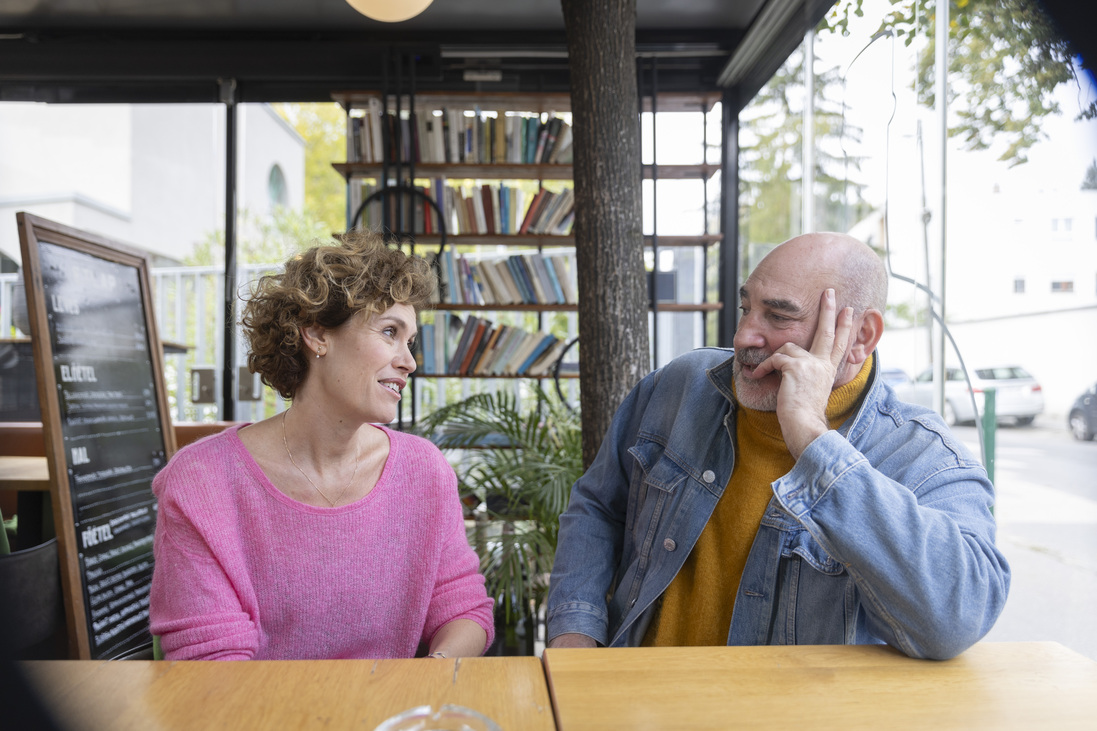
367,360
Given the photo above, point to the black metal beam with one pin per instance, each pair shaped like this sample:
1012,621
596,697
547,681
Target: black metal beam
729,261
228,361
128,66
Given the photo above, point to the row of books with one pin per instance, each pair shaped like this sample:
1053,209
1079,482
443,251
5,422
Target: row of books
470,210
531,278
478,347
457,136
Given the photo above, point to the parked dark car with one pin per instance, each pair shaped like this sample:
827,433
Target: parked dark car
1083,415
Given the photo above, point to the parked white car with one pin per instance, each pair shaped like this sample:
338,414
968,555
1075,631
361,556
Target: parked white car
1018,396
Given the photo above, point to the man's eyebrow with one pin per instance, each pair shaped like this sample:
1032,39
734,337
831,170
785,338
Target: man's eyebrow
781,305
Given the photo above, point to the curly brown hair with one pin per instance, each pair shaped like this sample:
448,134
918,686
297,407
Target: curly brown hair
325,285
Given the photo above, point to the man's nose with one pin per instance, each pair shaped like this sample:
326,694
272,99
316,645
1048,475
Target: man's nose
747,334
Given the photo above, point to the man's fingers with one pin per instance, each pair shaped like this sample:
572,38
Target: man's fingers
844,330
822,346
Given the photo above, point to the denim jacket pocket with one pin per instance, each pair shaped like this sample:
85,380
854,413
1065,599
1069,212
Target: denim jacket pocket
653,469
802,544
657,482
816,599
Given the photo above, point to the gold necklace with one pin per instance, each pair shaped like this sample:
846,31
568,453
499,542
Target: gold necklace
346,487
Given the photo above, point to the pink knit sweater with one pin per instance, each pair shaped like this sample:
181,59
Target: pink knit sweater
244,572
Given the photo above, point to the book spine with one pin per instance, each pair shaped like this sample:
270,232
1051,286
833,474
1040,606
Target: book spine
536,280
506,279
462,345
441,335
545,342
425,352
488,200
554,280
513,263
531,211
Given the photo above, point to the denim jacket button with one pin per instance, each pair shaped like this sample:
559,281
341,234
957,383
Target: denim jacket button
669,544
708,476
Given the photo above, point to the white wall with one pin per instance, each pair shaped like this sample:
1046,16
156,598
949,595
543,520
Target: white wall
999,228
151,176
270,140
178,171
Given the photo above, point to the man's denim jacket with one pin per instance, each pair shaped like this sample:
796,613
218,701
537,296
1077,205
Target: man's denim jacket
882,532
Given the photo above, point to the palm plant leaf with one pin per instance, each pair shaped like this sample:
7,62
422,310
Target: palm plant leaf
520,463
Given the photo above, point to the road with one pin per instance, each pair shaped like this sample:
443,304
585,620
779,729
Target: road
1047,528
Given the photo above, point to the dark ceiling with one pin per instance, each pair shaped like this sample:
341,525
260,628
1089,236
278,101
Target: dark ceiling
303,50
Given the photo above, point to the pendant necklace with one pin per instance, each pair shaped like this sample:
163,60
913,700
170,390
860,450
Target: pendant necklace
303,474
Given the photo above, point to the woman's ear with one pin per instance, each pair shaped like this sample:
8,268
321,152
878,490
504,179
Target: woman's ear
868,336
315,339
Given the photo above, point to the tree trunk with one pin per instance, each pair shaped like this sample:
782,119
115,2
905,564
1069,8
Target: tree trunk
613,311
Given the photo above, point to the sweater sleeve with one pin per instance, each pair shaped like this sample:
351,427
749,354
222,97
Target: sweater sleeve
459,591
194,607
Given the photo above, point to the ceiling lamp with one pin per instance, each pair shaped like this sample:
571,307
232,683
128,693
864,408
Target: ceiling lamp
389,11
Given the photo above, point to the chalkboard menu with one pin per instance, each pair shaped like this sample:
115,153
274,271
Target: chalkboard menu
104,414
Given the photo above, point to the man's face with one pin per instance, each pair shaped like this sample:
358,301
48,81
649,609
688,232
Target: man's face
780,304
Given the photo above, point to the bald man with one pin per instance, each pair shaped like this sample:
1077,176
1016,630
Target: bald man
780,493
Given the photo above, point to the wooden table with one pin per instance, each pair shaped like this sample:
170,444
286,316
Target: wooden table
991,686
290,694
24,473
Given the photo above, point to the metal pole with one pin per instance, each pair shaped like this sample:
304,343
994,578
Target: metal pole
729,220
941,95
807,192
926,218
990,427
228,385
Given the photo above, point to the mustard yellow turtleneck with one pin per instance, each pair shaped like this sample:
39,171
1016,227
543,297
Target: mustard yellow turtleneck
697,606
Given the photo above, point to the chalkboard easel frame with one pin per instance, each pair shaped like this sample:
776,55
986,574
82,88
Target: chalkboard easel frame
34,231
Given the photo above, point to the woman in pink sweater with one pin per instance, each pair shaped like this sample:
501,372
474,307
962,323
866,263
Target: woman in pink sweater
318,533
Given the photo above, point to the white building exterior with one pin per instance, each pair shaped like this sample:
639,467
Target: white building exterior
151,176
1021,280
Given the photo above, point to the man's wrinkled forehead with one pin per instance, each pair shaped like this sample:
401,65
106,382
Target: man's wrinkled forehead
780,304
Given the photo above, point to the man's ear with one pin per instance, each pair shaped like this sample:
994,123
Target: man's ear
315,339
867,337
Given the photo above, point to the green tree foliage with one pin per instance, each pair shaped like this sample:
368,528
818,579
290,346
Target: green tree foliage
1005,61
771,158
1090,181
324,129
519,462
262,240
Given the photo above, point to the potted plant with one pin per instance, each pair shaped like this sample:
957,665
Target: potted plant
515,467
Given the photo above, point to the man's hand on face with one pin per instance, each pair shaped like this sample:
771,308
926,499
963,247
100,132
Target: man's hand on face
808,376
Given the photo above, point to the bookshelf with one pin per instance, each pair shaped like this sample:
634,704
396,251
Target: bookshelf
456,145
528,171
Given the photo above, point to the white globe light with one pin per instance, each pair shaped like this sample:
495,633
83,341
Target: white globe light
389,11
